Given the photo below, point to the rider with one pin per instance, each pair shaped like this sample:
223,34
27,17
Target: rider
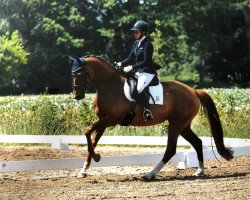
144,67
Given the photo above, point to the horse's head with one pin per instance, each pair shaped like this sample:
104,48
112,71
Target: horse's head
79,77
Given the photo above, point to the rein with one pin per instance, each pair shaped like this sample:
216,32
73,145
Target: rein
120,72
83,71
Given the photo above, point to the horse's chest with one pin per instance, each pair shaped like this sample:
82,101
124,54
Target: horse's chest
103,105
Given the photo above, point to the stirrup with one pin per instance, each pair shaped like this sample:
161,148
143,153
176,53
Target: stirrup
147,115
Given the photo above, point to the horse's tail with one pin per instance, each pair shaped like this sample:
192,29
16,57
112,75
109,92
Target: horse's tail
215,124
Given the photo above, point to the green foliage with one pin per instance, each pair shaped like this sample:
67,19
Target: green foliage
158,44
107,33
109,3
44,115
12,56
75,17
60,114
12,50
51,31
205,38
233,106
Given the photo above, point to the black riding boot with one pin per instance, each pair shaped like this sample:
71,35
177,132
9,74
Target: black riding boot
147,114
144,101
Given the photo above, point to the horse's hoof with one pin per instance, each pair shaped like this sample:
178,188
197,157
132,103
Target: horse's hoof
97,157
148,178
198,174
81,175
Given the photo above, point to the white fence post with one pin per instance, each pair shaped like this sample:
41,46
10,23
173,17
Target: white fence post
57,144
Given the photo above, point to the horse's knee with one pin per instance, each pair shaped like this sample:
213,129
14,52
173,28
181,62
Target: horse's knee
88,130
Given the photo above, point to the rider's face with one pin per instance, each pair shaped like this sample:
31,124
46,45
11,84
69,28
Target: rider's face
137,34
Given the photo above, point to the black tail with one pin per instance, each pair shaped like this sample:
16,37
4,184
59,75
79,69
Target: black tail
215,124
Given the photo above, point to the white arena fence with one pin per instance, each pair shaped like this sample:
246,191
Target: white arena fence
185,160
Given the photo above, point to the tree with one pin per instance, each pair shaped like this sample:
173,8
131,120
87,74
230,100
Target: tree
208,38
229,61
12,57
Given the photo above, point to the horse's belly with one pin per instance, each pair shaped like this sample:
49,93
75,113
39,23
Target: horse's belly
159,114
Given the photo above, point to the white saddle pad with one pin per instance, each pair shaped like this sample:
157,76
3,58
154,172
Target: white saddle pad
155,91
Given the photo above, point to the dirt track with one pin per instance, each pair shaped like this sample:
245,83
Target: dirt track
225,180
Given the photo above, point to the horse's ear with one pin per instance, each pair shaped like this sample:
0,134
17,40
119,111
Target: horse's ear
72,60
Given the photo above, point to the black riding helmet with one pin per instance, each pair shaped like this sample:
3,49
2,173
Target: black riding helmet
140,26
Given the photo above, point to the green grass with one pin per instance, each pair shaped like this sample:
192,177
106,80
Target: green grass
60,114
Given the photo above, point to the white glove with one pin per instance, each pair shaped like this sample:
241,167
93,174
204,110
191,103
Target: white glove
119,64
128,68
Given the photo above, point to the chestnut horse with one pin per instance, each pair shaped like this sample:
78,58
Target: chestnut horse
181,104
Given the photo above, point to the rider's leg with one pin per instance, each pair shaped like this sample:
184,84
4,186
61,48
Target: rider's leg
143,81
147,114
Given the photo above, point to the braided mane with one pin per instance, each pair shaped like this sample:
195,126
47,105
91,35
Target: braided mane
98,57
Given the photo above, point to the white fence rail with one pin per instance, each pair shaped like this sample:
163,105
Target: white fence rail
62,141
185,159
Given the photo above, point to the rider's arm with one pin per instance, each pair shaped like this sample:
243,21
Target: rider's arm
130,58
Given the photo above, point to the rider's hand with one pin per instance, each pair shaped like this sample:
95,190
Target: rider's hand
128,68
119,64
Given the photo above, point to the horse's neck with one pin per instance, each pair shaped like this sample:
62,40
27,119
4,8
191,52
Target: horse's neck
102,72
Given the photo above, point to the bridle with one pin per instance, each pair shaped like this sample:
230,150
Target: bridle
80,72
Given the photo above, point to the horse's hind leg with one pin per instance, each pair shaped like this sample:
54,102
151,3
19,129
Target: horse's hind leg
174,130
96,137
196,142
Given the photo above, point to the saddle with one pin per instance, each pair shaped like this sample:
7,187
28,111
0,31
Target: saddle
133,91
154,89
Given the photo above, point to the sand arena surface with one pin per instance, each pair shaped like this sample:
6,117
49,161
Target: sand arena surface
225,180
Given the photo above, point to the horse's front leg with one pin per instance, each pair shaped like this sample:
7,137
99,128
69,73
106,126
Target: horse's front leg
91,146
96,137
99,127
